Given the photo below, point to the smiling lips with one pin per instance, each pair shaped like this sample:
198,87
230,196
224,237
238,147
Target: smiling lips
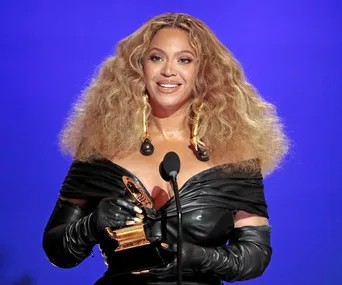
168,87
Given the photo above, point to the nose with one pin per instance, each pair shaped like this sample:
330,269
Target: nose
168,69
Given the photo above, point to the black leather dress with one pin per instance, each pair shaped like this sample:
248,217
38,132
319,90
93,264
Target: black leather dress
208,200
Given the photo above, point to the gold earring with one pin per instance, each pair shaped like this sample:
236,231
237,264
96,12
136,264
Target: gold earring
199,146
147,147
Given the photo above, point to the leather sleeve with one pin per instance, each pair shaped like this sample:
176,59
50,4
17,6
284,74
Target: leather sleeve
65,236
246,257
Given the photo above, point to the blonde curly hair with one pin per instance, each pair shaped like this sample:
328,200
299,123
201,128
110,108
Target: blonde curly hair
107,120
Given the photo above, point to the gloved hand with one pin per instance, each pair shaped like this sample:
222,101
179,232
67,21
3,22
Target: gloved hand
153,231
193,257
70,234
113,213
247,256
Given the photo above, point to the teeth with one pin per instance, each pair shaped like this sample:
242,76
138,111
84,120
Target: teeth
168,85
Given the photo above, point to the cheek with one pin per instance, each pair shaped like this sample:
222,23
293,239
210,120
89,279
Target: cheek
151,66
147,67
189,76
149,75
146,72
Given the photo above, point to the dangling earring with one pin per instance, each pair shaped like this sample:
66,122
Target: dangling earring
199,146
147,147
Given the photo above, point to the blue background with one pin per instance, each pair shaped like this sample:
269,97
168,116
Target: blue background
290,50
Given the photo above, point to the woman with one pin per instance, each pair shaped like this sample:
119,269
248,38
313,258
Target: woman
172,86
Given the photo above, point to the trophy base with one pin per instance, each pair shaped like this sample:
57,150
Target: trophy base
138,259
128,237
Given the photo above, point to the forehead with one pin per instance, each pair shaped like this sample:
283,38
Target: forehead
171,39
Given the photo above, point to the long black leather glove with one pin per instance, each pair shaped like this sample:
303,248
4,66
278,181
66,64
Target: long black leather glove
70,234
246,257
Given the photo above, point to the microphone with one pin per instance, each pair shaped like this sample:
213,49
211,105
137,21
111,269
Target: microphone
170,166
169,169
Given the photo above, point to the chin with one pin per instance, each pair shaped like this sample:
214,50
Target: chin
169,106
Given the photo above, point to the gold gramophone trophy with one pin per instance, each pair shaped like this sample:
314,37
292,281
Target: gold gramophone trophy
132,236
132,241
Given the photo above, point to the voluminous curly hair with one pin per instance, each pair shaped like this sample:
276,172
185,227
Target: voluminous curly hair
236,121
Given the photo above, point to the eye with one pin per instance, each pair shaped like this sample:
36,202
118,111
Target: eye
155,58
185,60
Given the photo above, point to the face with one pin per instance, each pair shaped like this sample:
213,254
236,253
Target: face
169,67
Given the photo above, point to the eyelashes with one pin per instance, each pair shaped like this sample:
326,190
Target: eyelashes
183,60
155,58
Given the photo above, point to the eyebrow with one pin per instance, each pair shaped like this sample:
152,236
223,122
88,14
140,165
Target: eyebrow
178,52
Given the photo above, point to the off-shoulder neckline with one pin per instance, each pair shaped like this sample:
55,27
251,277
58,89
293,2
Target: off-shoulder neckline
233,165
190,179
233,169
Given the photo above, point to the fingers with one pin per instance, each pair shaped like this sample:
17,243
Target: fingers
140,272
131,207
116,212
161,272
123,204
122,219
171,248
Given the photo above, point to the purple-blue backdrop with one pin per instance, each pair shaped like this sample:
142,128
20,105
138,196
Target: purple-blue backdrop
290,50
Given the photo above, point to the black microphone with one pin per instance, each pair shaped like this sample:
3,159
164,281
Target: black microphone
170,166
169,169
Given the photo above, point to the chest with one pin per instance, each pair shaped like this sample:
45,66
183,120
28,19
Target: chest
146,169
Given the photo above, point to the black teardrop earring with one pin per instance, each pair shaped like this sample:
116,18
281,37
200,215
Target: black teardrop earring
201,151
146,147
202,154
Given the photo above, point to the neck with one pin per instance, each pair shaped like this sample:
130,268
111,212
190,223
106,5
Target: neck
174,125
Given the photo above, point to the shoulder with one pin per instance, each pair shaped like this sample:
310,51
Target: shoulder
241,153
248,168
243,218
